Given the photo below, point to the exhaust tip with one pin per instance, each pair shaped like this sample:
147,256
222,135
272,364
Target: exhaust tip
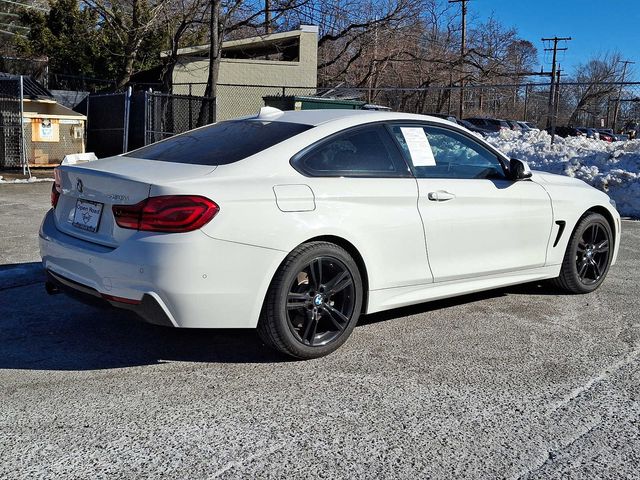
51,288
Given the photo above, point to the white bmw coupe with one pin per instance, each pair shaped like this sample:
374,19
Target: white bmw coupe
296,223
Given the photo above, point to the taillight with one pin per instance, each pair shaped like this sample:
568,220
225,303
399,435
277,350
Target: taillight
55,189
168,213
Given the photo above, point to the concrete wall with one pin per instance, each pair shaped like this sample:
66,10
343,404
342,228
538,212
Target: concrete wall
263,76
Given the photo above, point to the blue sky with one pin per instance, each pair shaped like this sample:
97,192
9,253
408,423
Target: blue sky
595,26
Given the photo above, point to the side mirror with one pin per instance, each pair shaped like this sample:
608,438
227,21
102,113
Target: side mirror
519,170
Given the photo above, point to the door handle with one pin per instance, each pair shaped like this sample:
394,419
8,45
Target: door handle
440,196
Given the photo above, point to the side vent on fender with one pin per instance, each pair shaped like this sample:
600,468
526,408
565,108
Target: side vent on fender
561,224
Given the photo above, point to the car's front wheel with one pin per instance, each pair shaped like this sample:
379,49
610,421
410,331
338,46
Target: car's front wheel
588,256
313,303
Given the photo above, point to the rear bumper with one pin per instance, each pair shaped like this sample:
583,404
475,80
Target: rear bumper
148,308
186,280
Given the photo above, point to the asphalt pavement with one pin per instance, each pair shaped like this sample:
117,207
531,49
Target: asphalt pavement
514,383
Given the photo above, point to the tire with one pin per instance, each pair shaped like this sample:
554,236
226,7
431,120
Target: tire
313,303
588,256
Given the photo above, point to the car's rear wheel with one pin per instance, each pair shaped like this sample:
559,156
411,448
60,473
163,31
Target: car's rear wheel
313,303
588,256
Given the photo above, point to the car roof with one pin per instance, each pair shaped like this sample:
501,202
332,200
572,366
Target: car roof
486,118
318,117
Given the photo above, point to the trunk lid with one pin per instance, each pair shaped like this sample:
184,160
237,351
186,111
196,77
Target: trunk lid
89,191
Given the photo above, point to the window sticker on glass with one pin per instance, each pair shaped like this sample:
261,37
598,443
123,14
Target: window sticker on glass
418,145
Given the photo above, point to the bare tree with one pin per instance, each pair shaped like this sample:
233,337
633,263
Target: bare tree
595,86
227,17
183,21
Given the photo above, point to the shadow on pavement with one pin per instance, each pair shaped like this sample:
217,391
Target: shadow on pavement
536,288
42,332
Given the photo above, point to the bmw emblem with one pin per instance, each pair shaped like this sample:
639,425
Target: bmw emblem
79,185
318,300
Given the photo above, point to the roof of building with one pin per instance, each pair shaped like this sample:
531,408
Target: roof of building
31,89
280,39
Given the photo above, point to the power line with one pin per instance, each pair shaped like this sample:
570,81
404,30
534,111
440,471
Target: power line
14,26
35,7
12,33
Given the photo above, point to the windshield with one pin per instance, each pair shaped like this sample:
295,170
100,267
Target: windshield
221,143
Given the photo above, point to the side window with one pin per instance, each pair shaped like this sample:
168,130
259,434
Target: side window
363,152
451,155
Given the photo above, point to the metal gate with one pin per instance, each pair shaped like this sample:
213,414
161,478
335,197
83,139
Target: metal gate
120,122
108,123
11,134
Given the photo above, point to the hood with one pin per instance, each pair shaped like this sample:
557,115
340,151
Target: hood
554,179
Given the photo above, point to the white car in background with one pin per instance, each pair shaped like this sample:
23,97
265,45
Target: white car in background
296,223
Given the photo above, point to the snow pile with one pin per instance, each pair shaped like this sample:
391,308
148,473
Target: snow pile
26,180
611,167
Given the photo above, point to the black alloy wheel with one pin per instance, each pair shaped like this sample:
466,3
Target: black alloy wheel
592,254
588,255
314,301
320,301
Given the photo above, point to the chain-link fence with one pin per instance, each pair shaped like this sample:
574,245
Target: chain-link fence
167,115
610,105
234,101
120,122
11,145
69,135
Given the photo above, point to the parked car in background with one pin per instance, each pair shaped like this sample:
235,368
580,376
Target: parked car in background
474,128
567,132
590,132
468,125
607,135
513,125
487,123
296,223
527,125
444,116
631,129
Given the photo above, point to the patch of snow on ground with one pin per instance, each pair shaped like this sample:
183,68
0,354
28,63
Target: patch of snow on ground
611,167
25,180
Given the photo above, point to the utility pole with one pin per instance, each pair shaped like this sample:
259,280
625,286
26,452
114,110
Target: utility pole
617,109
556,105
267,17
463,47
555,51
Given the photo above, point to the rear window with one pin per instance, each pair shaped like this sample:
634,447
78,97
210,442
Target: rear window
221,143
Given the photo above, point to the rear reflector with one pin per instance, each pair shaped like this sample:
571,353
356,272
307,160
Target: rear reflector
55,189
129,301
168,213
